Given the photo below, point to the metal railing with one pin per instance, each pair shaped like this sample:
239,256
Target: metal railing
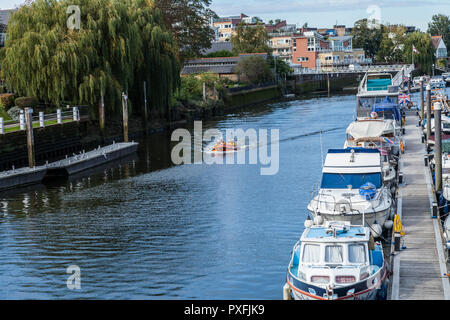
42,120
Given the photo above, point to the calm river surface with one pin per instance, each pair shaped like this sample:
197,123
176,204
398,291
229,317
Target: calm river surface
146,229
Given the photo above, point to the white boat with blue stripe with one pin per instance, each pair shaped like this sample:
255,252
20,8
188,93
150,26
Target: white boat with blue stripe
352,190
337,261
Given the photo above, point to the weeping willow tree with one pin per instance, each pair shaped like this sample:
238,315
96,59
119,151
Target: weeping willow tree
425,56
119,45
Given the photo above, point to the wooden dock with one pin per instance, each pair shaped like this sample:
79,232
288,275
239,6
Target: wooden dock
419,268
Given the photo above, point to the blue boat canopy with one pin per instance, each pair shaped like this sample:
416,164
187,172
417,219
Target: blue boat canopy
387,107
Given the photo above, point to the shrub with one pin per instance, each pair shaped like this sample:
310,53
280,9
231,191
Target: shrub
255,69
14,113
26,102
7,100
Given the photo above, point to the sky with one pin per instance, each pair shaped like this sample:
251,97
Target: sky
325,13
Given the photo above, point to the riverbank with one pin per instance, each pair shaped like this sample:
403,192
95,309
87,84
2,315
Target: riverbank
56,141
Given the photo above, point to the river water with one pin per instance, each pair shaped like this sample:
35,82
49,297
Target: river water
147,229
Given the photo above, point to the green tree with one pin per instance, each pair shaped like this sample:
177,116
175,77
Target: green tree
282,68
422,42
189,21
120,44
392,43
255,69
367,38
440,26
250,39
219,54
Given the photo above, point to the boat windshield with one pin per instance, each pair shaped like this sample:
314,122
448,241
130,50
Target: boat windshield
356,180
356,253
311,253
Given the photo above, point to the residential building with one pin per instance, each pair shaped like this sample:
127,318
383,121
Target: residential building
306,47
441,48
280,35
4,18
314,51
223,67
225,26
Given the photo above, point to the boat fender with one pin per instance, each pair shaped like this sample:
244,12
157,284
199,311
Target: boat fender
308,223
388,224
318,220
376,230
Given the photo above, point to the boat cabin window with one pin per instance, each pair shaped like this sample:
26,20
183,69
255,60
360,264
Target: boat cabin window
388,115
356,180
311,253
356,253
334,254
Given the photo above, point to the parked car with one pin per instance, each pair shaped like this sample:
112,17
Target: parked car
437,82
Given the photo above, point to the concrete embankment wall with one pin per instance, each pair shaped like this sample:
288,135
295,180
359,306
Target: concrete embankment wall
310,83
51,141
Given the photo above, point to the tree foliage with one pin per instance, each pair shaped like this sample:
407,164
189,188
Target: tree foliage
367,37
255,69
189,22
392,44
422,42
440,26
120,44
250,39
219,54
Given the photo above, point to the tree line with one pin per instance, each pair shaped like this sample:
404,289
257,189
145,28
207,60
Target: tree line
392,43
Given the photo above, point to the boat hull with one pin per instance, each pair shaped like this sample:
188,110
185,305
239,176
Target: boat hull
364,290
357,219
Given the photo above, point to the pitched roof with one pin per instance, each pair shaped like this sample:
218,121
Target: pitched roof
436,40
223,65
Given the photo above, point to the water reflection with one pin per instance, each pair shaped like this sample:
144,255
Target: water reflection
143,228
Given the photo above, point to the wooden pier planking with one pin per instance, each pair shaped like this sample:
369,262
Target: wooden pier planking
418,270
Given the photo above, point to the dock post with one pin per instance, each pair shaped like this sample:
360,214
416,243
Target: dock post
41,119
59,116
145,108
438,147
421,99
75,114
204,92
329,85
397,238
30,137
22,120
101,115
125,116
2,126
428,114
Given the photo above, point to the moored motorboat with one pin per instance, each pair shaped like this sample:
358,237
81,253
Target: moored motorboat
378,134
352,190
337,261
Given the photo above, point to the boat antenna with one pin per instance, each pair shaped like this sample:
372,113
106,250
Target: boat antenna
321,147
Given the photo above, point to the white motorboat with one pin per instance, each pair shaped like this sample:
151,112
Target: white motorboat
352,190
381,135
337,261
